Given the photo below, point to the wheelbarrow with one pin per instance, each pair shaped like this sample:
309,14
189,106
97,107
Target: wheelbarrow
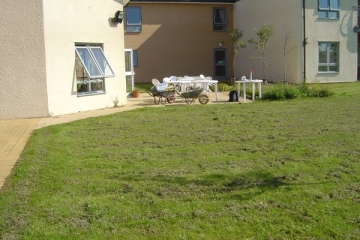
192,95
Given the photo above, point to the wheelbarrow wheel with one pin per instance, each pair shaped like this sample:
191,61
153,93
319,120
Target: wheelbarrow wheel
203,98
170,98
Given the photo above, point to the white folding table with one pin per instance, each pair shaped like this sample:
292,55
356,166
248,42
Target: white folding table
253,82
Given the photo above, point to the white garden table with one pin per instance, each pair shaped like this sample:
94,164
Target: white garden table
253,82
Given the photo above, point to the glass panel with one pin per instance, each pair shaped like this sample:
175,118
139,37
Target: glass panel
334,5
219,16
103,63
135,57
333,68
220,71
322,14
219,27
128,83
96,85
127,61
82,87
133,28
324,4
220,57
88,62
333,53
133,16
333,14
322,53
322,68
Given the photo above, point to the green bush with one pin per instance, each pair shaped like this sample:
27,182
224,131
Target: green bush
282,92
315,91
222,87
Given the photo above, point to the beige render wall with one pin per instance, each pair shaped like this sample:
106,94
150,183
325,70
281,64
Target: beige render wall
177,39
68,22
22,60
332,30
282,15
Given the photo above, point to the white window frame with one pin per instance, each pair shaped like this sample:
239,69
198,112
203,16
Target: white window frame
330,8
102,70
328,64
95,66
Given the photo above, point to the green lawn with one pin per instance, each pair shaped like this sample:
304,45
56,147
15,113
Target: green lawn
265,170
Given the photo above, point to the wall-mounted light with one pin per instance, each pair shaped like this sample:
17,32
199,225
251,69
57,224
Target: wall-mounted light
307,40
119,16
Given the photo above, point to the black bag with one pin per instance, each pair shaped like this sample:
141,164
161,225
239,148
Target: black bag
233,96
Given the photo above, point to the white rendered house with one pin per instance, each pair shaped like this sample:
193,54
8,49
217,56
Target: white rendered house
41,72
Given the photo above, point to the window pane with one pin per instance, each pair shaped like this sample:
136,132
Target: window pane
96,85
219,27
128,83
322,14
334,5
220,16
322,68
324,4
220,57
133,28
82,87
127,62
103,63
135,57
88,62
322,53
220,71
333,68
133,16
333,53
333,14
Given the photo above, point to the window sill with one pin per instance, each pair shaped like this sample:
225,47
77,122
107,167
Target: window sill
336,19
90,94
328,72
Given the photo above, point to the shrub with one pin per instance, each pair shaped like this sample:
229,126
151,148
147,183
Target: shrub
222,87
318,90
282,92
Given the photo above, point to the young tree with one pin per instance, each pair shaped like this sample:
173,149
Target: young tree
264,33
287,35
235,36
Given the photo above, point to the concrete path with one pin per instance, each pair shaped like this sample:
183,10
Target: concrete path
13,137
15,133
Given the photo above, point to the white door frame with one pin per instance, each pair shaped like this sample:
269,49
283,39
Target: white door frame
130,72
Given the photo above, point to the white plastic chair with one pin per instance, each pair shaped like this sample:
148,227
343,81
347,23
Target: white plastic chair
211,84
155,81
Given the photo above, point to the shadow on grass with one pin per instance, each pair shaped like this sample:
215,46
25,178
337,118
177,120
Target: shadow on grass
241,186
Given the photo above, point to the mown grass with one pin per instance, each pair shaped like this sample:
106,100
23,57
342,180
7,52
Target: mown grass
266,170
